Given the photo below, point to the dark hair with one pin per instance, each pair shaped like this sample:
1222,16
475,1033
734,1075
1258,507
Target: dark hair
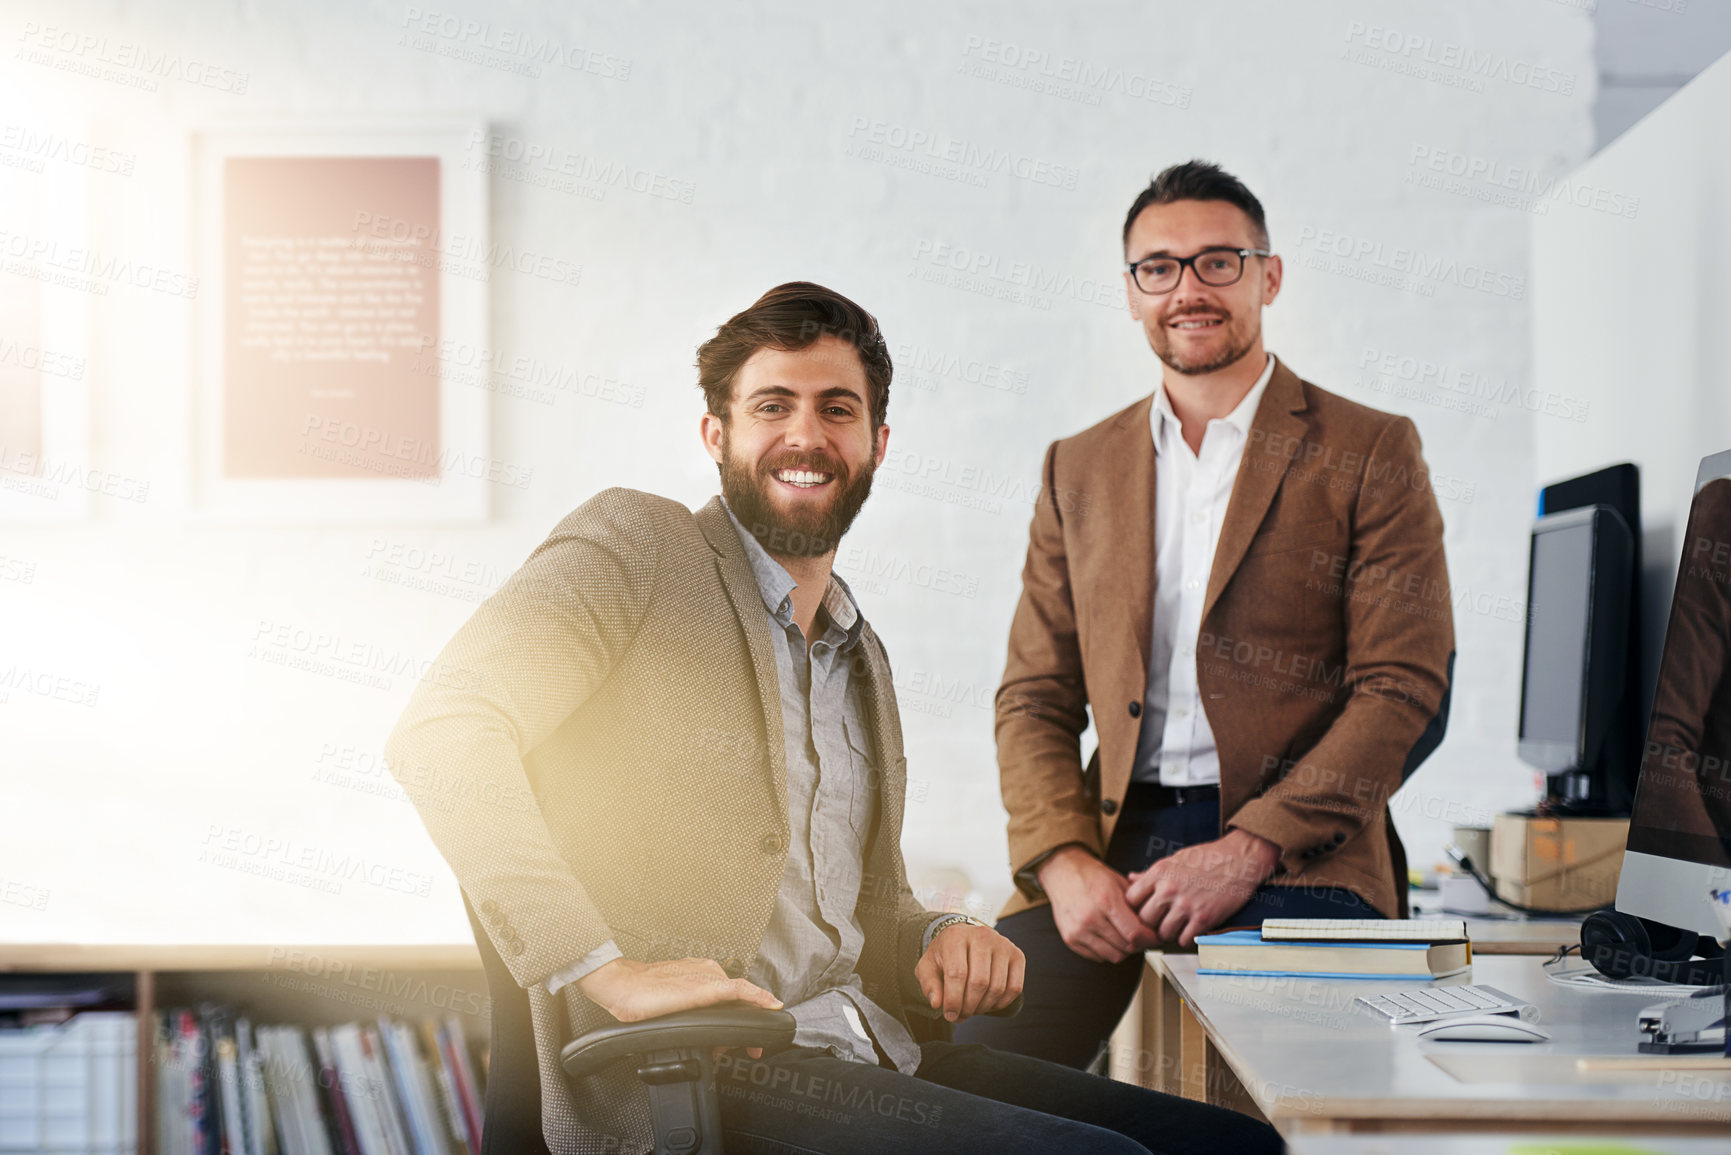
793,317
1199,180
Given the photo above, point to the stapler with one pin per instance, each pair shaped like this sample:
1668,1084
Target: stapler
1694,1025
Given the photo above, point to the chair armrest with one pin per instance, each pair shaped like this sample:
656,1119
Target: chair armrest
727,1025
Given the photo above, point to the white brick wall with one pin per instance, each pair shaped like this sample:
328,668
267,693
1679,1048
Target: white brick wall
1329,110
1637,337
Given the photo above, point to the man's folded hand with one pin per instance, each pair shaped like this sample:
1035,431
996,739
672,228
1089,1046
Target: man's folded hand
1089,908
1192,891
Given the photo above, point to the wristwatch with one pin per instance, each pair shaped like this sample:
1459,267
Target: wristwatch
948,920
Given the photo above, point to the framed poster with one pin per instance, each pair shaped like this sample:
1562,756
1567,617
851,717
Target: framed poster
332,258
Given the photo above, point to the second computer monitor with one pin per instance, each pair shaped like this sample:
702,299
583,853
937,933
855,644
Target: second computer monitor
1575,671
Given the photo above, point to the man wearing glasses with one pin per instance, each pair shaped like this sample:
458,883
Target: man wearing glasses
1242,575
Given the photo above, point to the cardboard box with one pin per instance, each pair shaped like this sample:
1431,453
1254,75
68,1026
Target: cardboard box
1557,863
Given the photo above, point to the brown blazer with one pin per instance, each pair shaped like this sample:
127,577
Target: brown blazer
1324,657
598,754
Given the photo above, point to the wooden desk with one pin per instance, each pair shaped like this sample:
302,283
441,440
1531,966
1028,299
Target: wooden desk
1644,1143
1144,1049
1300,1054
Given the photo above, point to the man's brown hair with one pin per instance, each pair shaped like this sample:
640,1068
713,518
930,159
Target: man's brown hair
1199,180
791,317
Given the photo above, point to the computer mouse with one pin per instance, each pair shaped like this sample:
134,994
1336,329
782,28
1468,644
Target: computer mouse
1484,1029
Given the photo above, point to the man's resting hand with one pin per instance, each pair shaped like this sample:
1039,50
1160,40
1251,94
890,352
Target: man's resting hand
632,991
970,970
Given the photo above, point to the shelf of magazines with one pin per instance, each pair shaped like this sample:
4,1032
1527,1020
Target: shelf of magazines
225,1086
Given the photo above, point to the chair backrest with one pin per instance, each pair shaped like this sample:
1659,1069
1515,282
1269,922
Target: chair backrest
513,1112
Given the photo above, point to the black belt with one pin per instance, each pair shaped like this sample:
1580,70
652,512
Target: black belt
1157,796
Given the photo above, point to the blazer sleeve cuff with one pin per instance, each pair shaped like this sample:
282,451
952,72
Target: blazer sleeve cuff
590,963
1026,876
540,948
1301,843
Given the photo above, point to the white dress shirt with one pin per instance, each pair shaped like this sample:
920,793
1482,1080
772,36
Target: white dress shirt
1191,492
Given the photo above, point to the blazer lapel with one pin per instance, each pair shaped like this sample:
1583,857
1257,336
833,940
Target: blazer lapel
879,695
1274,427
1122,496
742,591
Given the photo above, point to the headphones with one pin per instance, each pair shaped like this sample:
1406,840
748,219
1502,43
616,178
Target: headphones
1622,946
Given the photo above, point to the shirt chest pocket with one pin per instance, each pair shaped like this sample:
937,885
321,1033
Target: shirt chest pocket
865,781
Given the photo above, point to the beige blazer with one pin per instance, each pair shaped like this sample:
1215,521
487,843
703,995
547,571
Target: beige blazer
598,754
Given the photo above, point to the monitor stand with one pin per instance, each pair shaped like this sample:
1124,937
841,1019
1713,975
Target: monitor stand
1572,795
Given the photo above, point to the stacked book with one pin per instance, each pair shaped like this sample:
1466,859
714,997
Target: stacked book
1340,948
226,1087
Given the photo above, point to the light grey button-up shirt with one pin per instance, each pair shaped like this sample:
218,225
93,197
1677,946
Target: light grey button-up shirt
814,940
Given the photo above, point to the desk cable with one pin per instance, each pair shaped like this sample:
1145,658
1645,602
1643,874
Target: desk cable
1466,864
1586,978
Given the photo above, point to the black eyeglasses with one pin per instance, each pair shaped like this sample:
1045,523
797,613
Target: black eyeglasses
1215,267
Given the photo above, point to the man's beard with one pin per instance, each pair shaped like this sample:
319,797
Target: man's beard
1237,345
795,533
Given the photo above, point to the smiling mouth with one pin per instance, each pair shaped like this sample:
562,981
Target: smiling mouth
1194,323
803,478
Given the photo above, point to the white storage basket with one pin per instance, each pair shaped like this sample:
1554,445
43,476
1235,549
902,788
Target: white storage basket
71,1087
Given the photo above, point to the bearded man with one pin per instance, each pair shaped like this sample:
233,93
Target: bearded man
707,726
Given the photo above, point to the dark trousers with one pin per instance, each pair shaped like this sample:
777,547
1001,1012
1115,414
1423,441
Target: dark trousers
1071,1004
962,1099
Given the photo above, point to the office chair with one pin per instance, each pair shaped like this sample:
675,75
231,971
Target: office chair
672,1053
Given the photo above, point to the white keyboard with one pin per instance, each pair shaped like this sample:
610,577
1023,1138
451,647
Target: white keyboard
1425,1004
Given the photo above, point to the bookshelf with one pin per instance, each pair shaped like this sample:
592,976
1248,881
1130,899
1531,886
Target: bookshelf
312,985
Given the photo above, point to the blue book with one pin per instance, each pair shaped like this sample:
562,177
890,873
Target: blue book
1244,952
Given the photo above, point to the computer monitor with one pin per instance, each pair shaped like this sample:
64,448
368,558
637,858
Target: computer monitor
1574,674
1680,832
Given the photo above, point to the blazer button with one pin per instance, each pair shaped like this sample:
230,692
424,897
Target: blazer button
514,948
1135,709
771,844
495,918
734,967
1108,807
489,906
